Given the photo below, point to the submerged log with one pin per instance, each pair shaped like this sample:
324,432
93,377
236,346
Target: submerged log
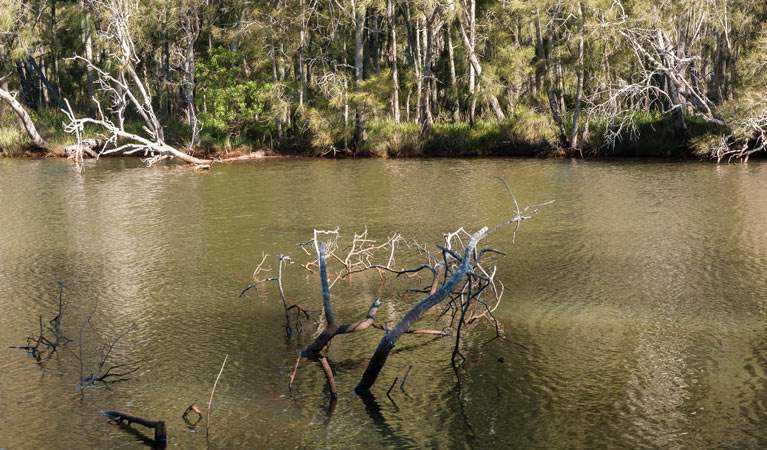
160,436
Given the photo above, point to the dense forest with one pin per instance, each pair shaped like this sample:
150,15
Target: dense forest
385,77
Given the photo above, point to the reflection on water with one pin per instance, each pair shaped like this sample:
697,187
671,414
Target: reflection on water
639,293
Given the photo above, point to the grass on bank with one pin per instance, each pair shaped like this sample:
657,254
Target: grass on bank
525,133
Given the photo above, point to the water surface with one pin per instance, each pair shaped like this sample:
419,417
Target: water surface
640,294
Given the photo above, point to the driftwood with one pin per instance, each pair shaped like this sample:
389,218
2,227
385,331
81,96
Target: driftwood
160,435
90,147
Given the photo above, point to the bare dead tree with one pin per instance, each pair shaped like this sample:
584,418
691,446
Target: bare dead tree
25,119
126,91
468,287
748,137
660,80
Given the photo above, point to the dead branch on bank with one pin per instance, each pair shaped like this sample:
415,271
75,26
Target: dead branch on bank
160,435
461,281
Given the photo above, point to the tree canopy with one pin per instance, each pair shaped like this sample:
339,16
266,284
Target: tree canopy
311,75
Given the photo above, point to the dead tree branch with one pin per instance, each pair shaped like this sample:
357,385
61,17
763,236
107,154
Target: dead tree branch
284,260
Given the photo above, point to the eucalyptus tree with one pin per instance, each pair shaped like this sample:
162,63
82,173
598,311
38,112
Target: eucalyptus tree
17,37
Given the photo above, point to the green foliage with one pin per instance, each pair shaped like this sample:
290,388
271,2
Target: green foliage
231,103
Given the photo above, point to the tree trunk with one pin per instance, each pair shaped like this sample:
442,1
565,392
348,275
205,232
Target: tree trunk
453,78
301,69
418,70
90,90
28,96
359,120
275,80
393,55
426,116
189,81
494,104
165,104
472,74
26,121
545,52
44,80
579,88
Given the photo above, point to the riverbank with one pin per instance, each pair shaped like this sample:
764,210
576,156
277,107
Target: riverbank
526,134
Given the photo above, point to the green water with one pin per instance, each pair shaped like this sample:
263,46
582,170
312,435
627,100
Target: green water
639,294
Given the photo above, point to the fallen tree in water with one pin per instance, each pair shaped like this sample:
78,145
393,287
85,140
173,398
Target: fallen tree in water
465,286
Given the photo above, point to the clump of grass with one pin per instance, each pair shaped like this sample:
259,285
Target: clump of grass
388,139
13,140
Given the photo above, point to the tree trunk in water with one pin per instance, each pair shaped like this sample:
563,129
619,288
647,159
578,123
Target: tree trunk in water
359,119
26,121
579,88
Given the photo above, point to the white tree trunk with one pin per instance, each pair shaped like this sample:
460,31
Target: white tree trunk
26,121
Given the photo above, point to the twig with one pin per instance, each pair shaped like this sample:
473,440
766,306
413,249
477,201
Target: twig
293,375
402,385
210,401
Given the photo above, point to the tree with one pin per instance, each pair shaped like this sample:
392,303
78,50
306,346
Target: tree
125,89
15,40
